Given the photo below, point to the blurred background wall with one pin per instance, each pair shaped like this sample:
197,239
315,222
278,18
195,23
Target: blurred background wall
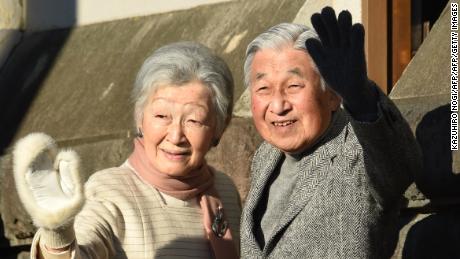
67,68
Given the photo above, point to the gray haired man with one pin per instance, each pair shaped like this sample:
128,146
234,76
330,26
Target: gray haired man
337,156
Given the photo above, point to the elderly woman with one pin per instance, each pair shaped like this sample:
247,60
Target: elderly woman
164,201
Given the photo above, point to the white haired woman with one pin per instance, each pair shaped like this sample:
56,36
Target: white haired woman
164,201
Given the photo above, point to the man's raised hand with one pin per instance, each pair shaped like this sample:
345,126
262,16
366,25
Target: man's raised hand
341,61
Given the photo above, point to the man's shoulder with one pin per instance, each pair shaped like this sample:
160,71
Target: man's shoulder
265,149
266,158
341,135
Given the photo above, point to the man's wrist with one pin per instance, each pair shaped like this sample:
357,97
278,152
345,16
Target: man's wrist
363,106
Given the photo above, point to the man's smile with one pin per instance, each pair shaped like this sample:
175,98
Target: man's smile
283,123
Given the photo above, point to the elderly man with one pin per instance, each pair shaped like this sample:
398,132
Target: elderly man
328,180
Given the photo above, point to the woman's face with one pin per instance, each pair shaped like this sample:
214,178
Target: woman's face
179,125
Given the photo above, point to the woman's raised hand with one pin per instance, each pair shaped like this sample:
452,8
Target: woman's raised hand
48,182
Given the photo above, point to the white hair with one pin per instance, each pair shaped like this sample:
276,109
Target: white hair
179,63
277,37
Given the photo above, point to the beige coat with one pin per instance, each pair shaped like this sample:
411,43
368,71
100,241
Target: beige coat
125,217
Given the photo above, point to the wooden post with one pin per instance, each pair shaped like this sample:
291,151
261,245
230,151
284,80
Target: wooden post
375,21
401,37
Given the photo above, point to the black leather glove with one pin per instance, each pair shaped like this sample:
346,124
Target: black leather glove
341,61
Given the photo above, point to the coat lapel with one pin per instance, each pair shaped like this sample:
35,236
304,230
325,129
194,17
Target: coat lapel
313,169
268,159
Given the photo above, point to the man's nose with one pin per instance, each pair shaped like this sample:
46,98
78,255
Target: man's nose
176,133
280,104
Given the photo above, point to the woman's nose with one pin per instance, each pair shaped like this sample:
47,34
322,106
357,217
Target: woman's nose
279,104
176,133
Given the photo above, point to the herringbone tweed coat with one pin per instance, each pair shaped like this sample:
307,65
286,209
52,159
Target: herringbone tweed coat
346,200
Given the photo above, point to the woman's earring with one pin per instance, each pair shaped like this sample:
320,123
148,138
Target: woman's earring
215,142
139,133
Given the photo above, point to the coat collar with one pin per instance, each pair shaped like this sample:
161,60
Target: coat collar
314,166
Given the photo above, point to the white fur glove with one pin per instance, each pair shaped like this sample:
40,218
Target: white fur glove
49,183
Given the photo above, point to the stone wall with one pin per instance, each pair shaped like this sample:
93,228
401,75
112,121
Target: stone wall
74,84
430,226
10,27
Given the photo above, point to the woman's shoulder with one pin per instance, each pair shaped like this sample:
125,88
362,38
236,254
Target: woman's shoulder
231,199
223,181
113,178
226,187
111,173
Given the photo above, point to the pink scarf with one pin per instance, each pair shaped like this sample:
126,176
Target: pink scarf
198,183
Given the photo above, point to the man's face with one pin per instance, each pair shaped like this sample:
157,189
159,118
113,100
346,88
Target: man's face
289,108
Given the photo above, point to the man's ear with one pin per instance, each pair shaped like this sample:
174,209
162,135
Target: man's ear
334,100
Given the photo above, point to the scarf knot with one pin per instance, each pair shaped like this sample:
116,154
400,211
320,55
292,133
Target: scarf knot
198,183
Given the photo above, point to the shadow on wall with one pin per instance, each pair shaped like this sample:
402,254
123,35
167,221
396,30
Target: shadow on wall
433,134
437,235
28,66
10,252
21,77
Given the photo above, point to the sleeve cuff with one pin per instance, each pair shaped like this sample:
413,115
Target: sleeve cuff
57,238
45,254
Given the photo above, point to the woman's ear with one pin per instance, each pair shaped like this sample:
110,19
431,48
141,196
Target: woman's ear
218,136
216,139
215,142
140,134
